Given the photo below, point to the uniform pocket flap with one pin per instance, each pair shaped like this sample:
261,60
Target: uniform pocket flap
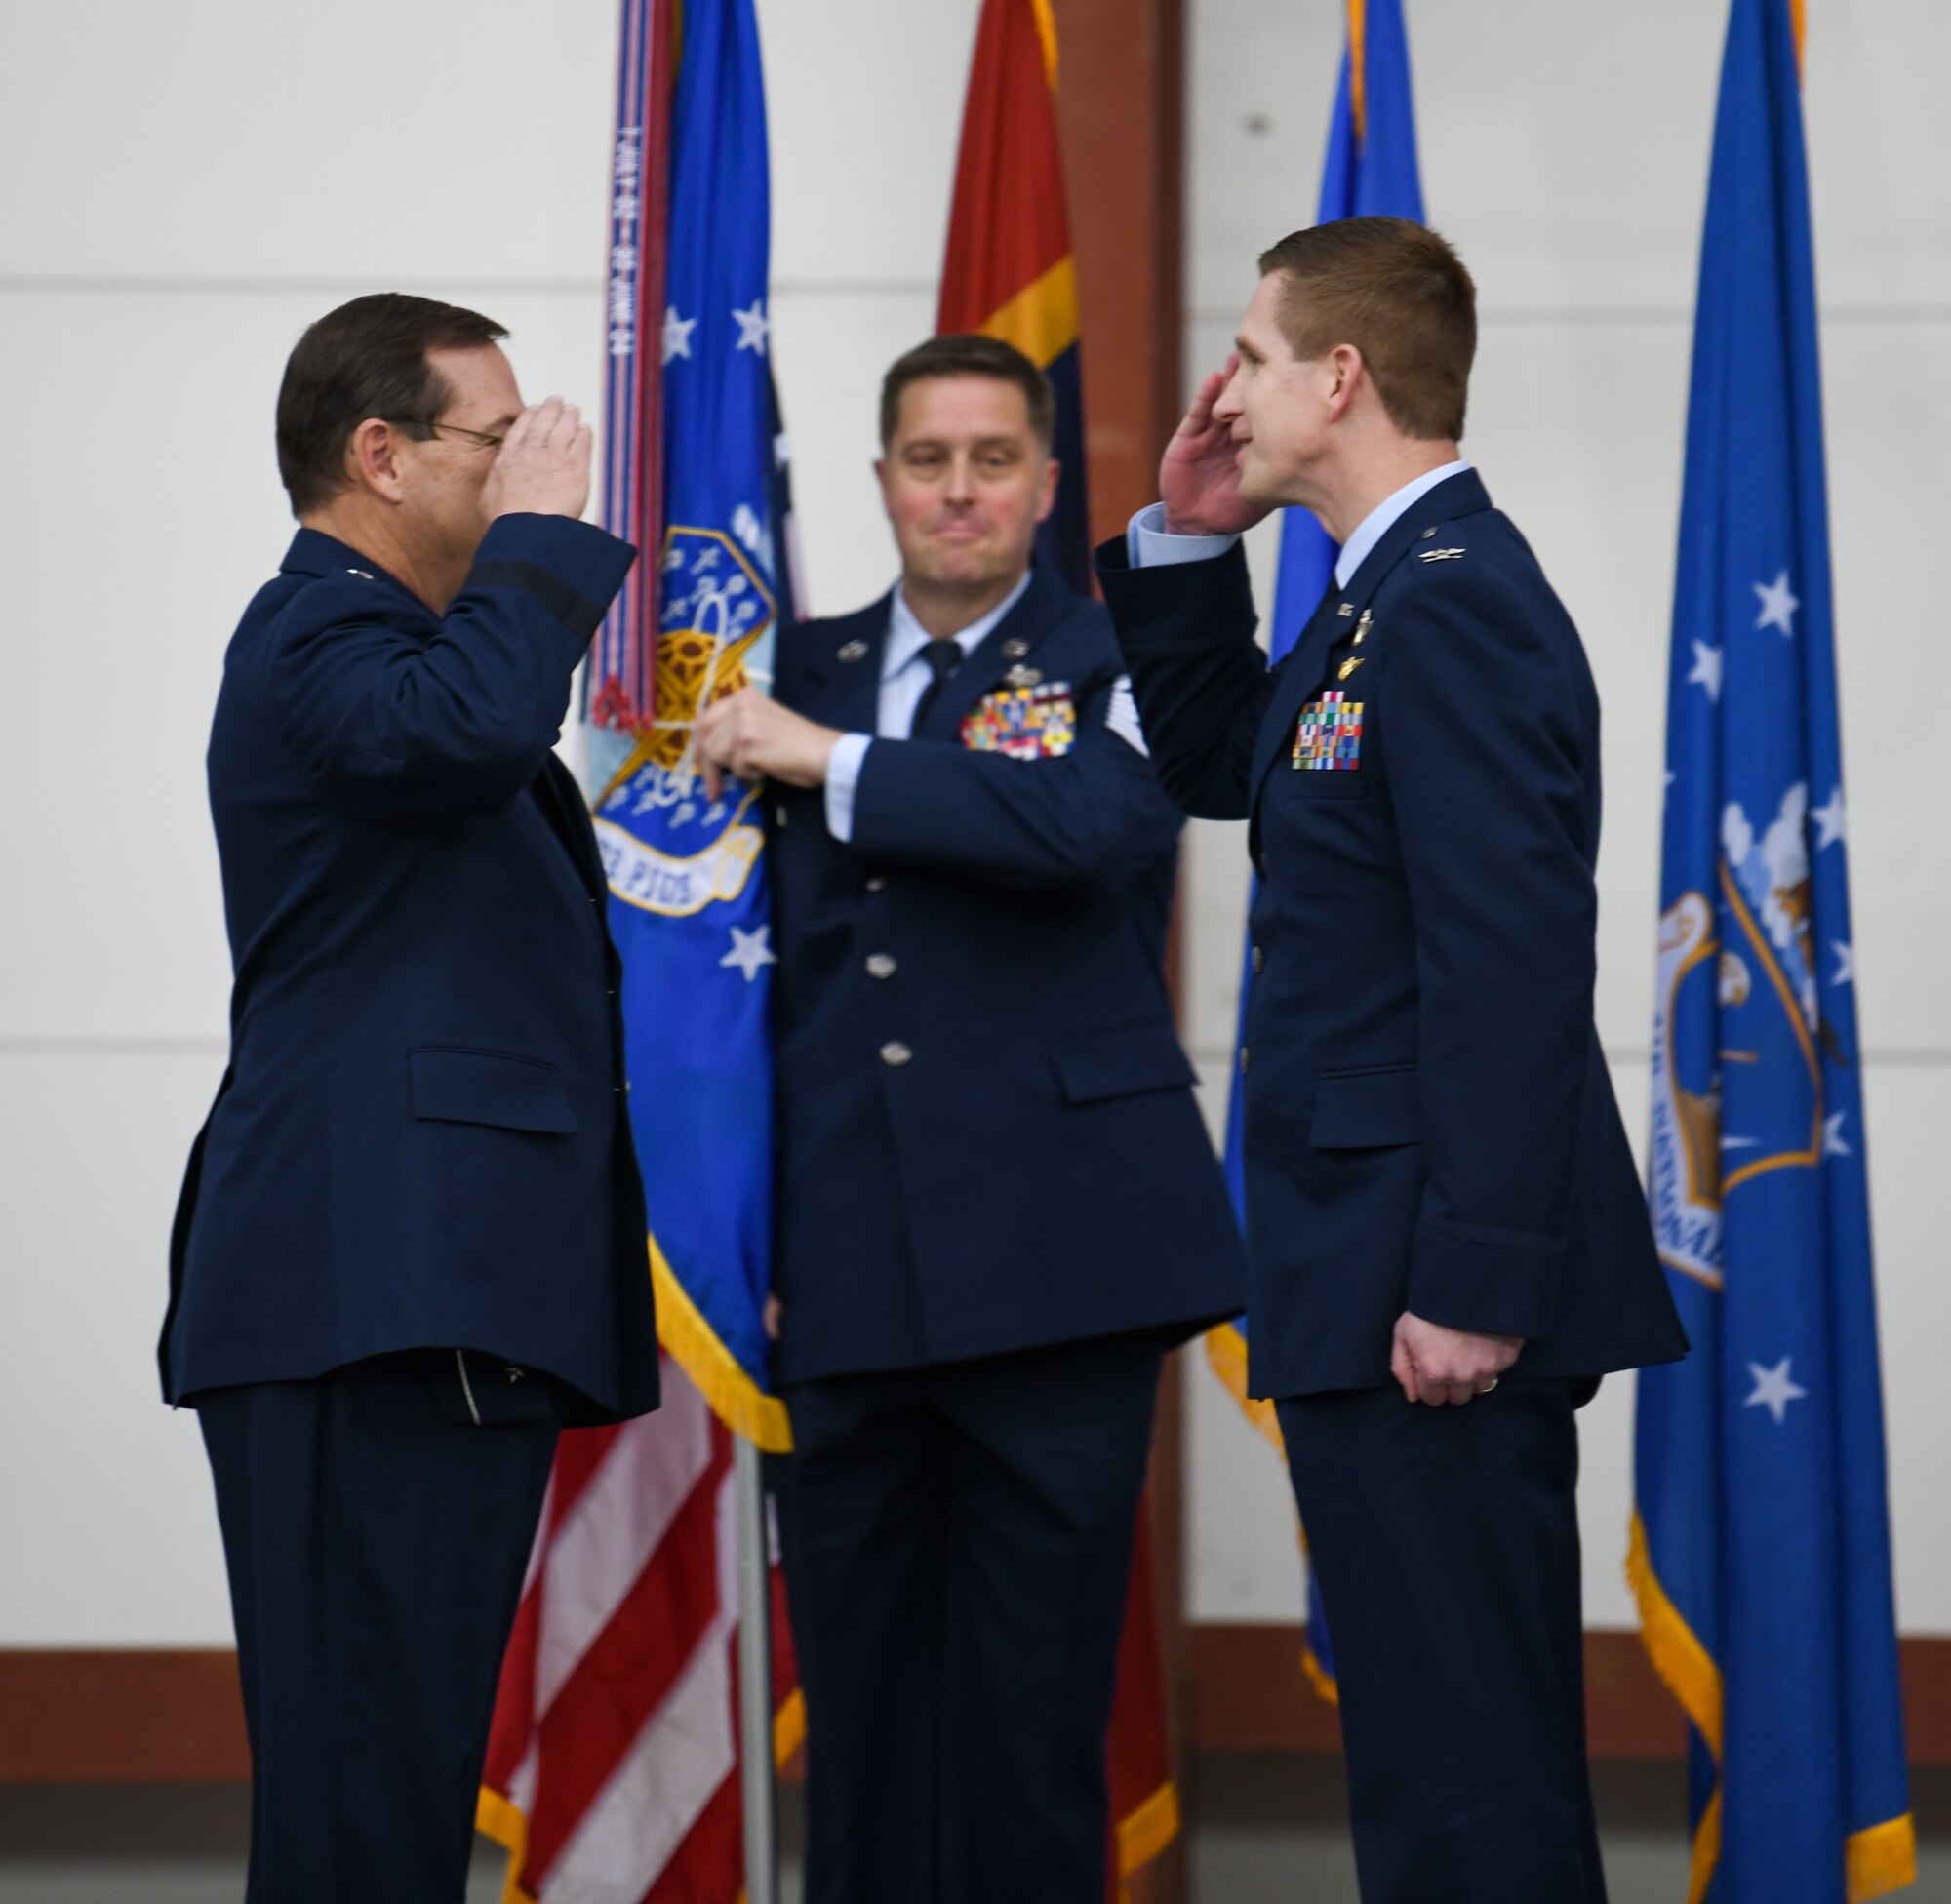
462,1087
1120,1064
1362,1110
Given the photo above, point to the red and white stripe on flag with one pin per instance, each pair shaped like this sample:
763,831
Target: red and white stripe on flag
611,1772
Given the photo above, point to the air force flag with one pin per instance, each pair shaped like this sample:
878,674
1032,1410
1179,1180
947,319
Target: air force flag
688,894
1761,1548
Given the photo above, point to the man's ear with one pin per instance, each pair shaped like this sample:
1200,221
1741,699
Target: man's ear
1345,372
373,459
1052,473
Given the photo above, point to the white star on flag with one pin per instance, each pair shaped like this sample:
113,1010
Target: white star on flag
1831,823
750,952
677,333
1846,964
1706,669
1775,1389
752,326
1778,605
1832,1136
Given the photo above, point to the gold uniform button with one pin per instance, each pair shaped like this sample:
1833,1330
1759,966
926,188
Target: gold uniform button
881,964
875,882
1246,1060
894,1055
1260,959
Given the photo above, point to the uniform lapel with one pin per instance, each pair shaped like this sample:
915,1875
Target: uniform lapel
843,675
568,815
1010,643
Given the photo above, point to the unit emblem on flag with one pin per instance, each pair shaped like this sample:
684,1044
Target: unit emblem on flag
664,848
1736,1072
1685,1171
1328,734
1034,723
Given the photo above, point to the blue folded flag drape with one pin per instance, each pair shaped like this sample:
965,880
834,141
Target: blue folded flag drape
689,903
1761,1544
1371,169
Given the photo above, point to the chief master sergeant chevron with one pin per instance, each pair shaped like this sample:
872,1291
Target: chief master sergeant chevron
996,1204
411,1241
1447,1241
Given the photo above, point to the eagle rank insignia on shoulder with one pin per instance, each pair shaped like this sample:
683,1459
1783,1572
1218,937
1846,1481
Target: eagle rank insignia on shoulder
1329,736
1037,721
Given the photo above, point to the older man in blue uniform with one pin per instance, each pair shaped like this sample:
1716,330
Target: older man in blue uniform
998,1206
1447,1241
411,1241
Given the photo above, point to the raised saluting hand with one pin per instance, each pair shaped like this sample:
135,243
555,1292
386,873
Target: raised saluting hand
543,466
1199,478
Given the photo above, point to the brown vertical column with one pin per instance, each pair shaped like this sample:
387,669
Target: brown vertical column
1120,110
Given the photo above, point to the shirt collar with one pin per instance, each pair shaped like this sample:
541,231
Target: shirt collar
906,637
1384,516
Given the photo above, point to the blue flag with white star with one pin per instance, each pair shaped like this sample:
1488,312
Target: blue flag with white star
1761,1544
1371,169
689,898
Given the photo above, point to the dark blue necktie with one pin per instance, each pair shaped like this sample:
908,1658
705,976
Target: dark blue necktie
943,658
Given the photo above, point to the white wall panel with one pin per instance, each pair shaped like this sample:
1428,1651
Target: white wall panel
413,142
865,100
111,1531
1565,147
831,346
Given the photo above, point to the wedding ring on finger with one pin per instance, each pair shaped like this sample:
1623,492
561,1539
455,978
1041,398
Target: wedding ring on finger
1488,1386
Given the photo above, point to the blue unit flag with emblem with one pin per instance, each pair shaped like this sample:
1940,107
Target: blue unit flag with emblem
1761,1541
1370,169
689,904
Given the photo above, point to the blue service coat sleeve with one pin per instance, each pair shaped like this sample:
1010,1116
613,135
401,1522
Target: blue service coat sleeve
397,723
1092,816
1477,732
1201,682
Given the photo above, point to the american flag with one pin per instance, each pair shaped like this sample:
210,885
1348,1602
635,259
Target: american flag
612,1775
612,1760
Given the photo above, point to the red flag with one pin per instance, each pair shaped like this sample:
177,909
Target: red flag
1009,272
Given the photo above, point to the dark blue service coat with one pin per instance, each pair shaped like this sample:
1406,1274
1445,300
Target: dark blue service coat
1429,1122
421,1139
988,1138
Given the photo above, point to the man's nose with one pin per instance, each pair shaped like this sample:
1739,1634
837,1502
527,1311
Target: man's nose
961,486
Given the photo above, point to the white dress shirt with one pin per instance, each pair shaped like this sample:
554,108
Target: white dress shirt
1150,545
904,676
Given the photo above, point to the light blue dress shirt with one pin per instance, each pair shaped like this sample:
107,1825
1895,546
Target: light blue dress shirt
1150,546
904,675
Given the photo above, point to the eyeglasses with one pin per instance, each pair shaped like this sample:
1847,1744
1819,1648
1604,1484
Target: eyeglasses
482,437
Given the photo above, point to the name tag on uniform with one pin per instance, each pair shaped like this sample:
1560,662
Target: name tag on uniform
1328,737
1030,723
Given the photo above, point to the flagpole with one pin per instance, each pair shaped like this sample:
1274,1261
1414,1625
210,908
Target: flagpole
755,1677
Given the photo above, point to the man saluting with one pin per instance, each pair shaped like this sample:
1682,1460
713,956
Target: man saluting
1445,1236
411,1239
